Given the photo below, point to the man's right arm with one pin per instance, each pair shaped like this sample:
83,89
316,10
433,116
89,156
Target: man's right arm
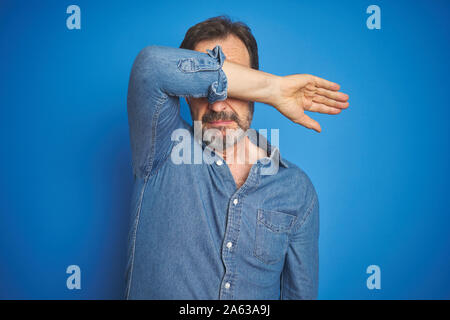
160,75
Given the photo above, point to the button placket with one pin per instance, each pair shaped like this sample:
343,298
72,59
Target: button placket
232,233
228,257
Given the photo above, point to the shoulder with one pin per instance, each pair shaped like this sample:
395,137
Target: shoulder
300,186
298,179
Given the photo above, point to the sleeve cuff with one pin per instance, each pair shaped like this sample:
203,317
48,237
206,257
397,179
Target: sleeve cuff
218,89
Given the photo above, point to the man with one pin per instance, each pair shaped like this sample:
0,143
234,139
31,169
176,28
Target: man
227,227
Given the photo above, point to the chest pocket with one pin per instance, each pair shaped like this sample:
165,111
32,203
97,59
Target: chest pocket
272,235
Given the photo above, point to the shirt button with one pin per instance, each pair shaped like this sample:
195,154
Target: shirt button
229,245
227,285
219,162
235,201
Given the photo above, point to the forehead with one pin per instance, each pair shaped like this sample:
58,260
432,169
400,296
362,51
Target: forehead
233,48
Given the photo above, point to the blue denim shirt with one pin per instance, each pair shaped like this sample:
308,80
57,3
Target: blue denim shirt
194,234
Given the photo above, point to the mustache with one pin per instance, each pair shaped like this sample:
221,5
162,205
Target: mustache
222,115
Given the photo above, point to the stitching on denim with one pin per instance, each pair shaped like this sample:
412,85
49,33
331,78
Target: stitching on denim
199,95
196,66
272,227
314,201
259,222
167,155
239,192
181,62
147,168
260,256
151,156
243,190
136,225
213,88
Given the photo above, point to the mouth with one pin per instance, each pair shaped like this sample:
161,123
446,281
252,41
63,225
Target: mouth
221,122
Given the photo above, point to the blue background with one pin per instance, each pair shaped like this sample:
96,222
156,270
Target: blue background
380,168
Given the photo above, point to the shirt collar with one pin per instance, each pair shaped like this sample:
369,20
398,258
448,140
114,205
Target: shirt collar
272,151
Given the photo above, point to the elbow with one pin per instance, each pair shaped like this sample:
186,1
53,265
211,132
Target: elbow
151,56
146,70
151,52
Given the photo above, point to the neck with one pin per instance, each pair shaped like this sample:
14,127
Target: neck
243,152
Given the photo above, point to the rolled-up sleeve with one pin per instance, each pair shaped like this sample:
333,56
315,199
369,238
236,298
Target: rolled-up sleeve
159,76
217,90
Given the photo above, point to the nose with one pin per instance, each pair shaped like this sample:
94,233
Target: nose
217,106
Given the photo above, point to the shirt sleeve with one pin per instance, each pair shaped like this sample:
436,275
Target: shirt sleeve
159,76
299,279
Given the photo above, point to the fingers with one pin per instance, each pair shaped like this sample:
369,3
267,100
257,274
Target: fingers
309,123
322,83
321,108
335,95
330,102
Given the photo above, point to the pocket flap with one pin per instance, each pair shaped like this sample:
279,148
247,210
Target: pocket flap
275,220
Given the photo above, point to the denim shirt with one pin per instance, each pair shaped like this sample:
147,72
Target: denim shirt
193,233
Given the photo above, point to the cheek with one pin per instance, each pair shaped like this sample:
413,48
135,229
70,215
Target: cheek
241,107
198,107
241,104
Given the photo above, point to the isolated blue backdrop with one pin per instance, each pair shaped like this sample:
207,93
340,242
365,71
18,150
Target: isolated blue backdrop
381,168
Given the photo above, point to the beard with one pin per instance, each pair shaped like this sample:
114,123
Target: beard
221,138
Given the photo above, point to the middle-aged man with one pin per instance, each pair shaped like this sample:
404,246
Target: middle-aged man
242,223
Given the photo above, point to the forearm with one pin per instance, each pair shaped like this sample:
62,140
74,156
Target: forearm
290,95
249,84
